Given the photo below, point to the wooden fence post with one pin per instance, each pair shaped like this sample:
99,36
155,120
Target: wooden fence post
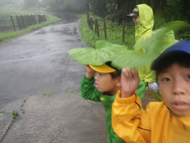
31,19
97,29
18,21
105,30
87,14
123,30
22,21
13,23
91,23
95,26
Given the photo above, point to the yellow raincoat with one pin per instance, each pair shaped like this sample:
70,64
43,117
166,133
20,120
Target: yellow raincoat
143,31
156,125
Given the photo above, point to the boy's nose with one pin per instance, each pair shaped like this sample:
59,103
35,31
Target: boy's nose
96,76
178,88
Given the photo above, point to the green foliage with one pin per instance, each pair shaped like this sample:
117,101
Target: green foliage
158,21
7,2
12,7
74,6
14,113
150,48
30,3
55,5
177,10
184,34
114,32
5,36
98,7
2,112
23,102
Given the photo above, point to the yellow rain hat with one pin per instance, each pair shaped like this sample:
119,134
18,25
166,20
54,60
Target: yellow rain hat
103,68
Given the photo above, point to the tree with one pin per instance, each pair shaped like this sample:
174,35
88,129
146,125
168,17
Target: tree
177,10
98,7
118,9
75,6
31,3
53,5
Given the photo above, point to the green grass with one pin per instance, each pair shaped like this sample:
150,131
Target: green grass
14,113
9,35
2,112
23,102
72,91
48,93
114,32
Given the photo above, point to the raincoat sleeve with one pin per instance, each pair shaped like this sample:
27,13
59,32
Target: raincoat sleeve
88,90
150,74
129,121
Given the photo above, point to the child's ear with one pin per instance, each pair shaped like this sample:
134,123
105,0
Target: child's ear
118,82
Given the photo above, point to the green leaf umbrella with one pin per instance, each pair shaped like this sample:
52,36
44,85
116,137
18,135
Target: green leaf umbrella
102,53
121,57
150,48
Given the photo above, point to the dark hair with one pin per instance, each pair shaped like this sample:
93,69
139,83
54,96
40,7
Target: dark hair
181,58
114,74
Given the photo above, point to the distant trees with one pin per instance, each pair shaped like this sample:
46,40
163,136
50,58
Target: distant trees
53,5
65,5
75,5
30,3
5,2
10,2
170,9
116,10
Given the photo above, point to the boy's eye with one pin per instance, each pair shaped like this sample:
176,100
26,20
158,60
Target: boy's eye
100,74
166,79
188,77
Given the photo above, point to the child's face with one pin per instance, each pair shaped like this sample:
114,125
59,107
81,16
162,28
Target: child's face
174,85
105,83
135,20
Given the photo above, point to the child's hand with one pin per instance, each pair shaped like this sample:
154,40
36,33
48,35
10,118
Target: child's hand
129,82
89,71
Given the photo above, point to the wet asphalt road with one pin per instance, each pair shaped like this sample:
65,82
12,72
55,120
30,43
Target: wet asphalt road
38,63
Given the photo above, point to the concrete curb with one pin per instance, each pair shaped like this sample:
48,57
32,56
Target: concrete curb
6,120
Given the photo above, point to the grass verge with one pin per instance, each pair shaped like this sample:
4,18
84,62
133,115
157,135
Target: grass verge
114,32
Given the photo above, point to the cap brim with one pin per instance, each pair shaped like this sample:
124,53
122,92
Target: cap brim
103,68
182,47
132,15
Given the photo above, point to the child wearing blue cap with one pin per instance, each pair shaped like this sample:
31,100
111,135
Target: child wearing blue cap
161,122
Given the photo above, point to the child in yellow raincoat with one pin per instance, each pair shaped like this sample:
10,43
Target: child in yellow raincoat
162,122
143,19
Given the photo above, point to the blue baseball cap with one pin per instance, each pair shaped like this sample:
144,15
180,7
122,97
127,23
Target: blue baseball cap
182,47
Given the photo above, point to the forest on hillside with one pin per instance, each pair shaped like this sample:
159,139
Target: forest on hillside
113,10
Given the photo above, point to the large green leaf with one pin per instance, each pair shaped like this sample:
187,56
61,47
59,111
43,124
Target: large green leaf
121,57
102,53
150,49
